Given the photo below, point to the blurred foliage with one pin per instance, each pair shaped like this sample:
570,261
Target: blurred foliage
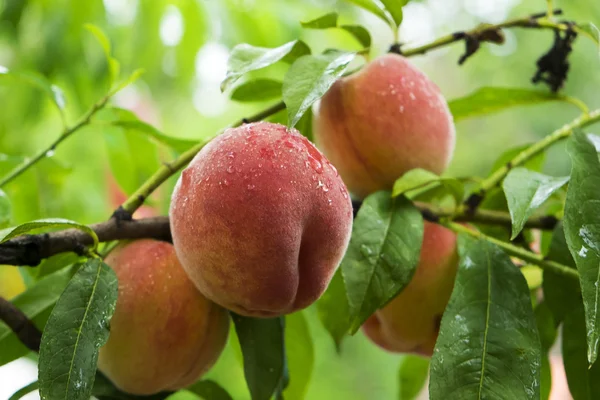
183,45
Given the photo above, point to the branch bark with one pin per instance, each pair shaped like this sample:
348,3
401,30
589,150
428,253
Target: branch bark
18,322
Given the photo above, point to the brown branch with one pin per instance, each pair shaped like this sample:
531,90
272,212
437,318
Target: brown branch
30,250
22,326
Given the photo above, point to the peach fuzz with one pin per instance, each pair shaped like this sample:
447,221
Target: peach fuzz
164,334
260,220
383,121
410,322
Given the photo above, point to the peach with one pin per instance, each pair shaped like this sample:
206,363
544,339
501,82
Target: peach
410,322
260,220
383,121
164,334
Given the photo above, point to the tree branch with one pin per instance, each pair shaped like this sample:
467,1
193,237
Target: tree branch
18,322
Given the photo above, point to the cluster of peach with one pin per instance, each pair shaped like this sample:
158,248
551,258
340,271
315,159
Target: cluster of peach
261,219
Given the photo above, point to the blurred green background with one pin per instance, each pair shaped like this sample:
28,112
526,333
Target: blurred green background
183,47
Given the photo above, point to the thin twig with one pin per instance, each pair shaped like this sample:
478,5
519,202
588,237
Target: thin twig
22,326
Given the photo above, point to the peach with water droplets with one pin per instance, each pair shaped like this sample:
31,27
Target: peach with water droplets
260,220
164,333
410,322
383,121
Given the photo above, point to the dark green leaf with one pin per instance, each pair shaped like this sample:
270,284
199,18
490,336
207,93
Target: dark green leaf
582,230
263,348
34,303
209,390
77,328
46,224
309,78
419,178
561,295
383,254
5,210
375,7
412,376
525,192
257,90
105,390
333,309
584,382
488,346
490,100
300,354
245,58
394,7
55,263
547,330
360,33
25,391
324,22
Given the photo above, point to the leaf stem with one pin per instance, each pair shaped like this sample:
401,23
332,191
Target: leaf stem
85,120
518,252
169,169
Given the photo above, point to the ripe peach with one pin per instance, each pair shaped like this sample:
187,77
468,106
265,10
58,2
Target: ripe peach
410,322
383,121
260,220
164,334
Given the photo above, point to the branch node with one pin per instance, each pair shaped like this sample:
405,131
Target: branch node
396,48
122,214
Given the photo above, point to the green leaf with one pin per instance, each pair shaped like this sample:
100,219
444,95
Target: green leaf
105,390
383,254
582,230
113,64
535,164
46,224
300,49
374,7
333,309
488,346
34,302
323,22
360,33
422,179
412,376
77,328
245,58
525,192
263,348
548,332
300,353
590,30
55,263
309,78
135,75
5,210
38,81
394,7
490,100
257,90
561,295
584,382
25,391
209,390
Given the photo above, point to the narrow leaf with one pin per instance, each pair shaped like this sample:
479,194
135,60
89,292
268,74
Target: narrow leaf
374,7
5,210
180,145
113,64
383,254
309,78
360,33
135,75
488,346
300,354
582,230
77,328
592,31
25,391
535,164
50,223
245,58
34,303
412,376
334,311
263,348
547,330
39,81
209,390
422,179
257,90
490,100
525,192
323,22
394,7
